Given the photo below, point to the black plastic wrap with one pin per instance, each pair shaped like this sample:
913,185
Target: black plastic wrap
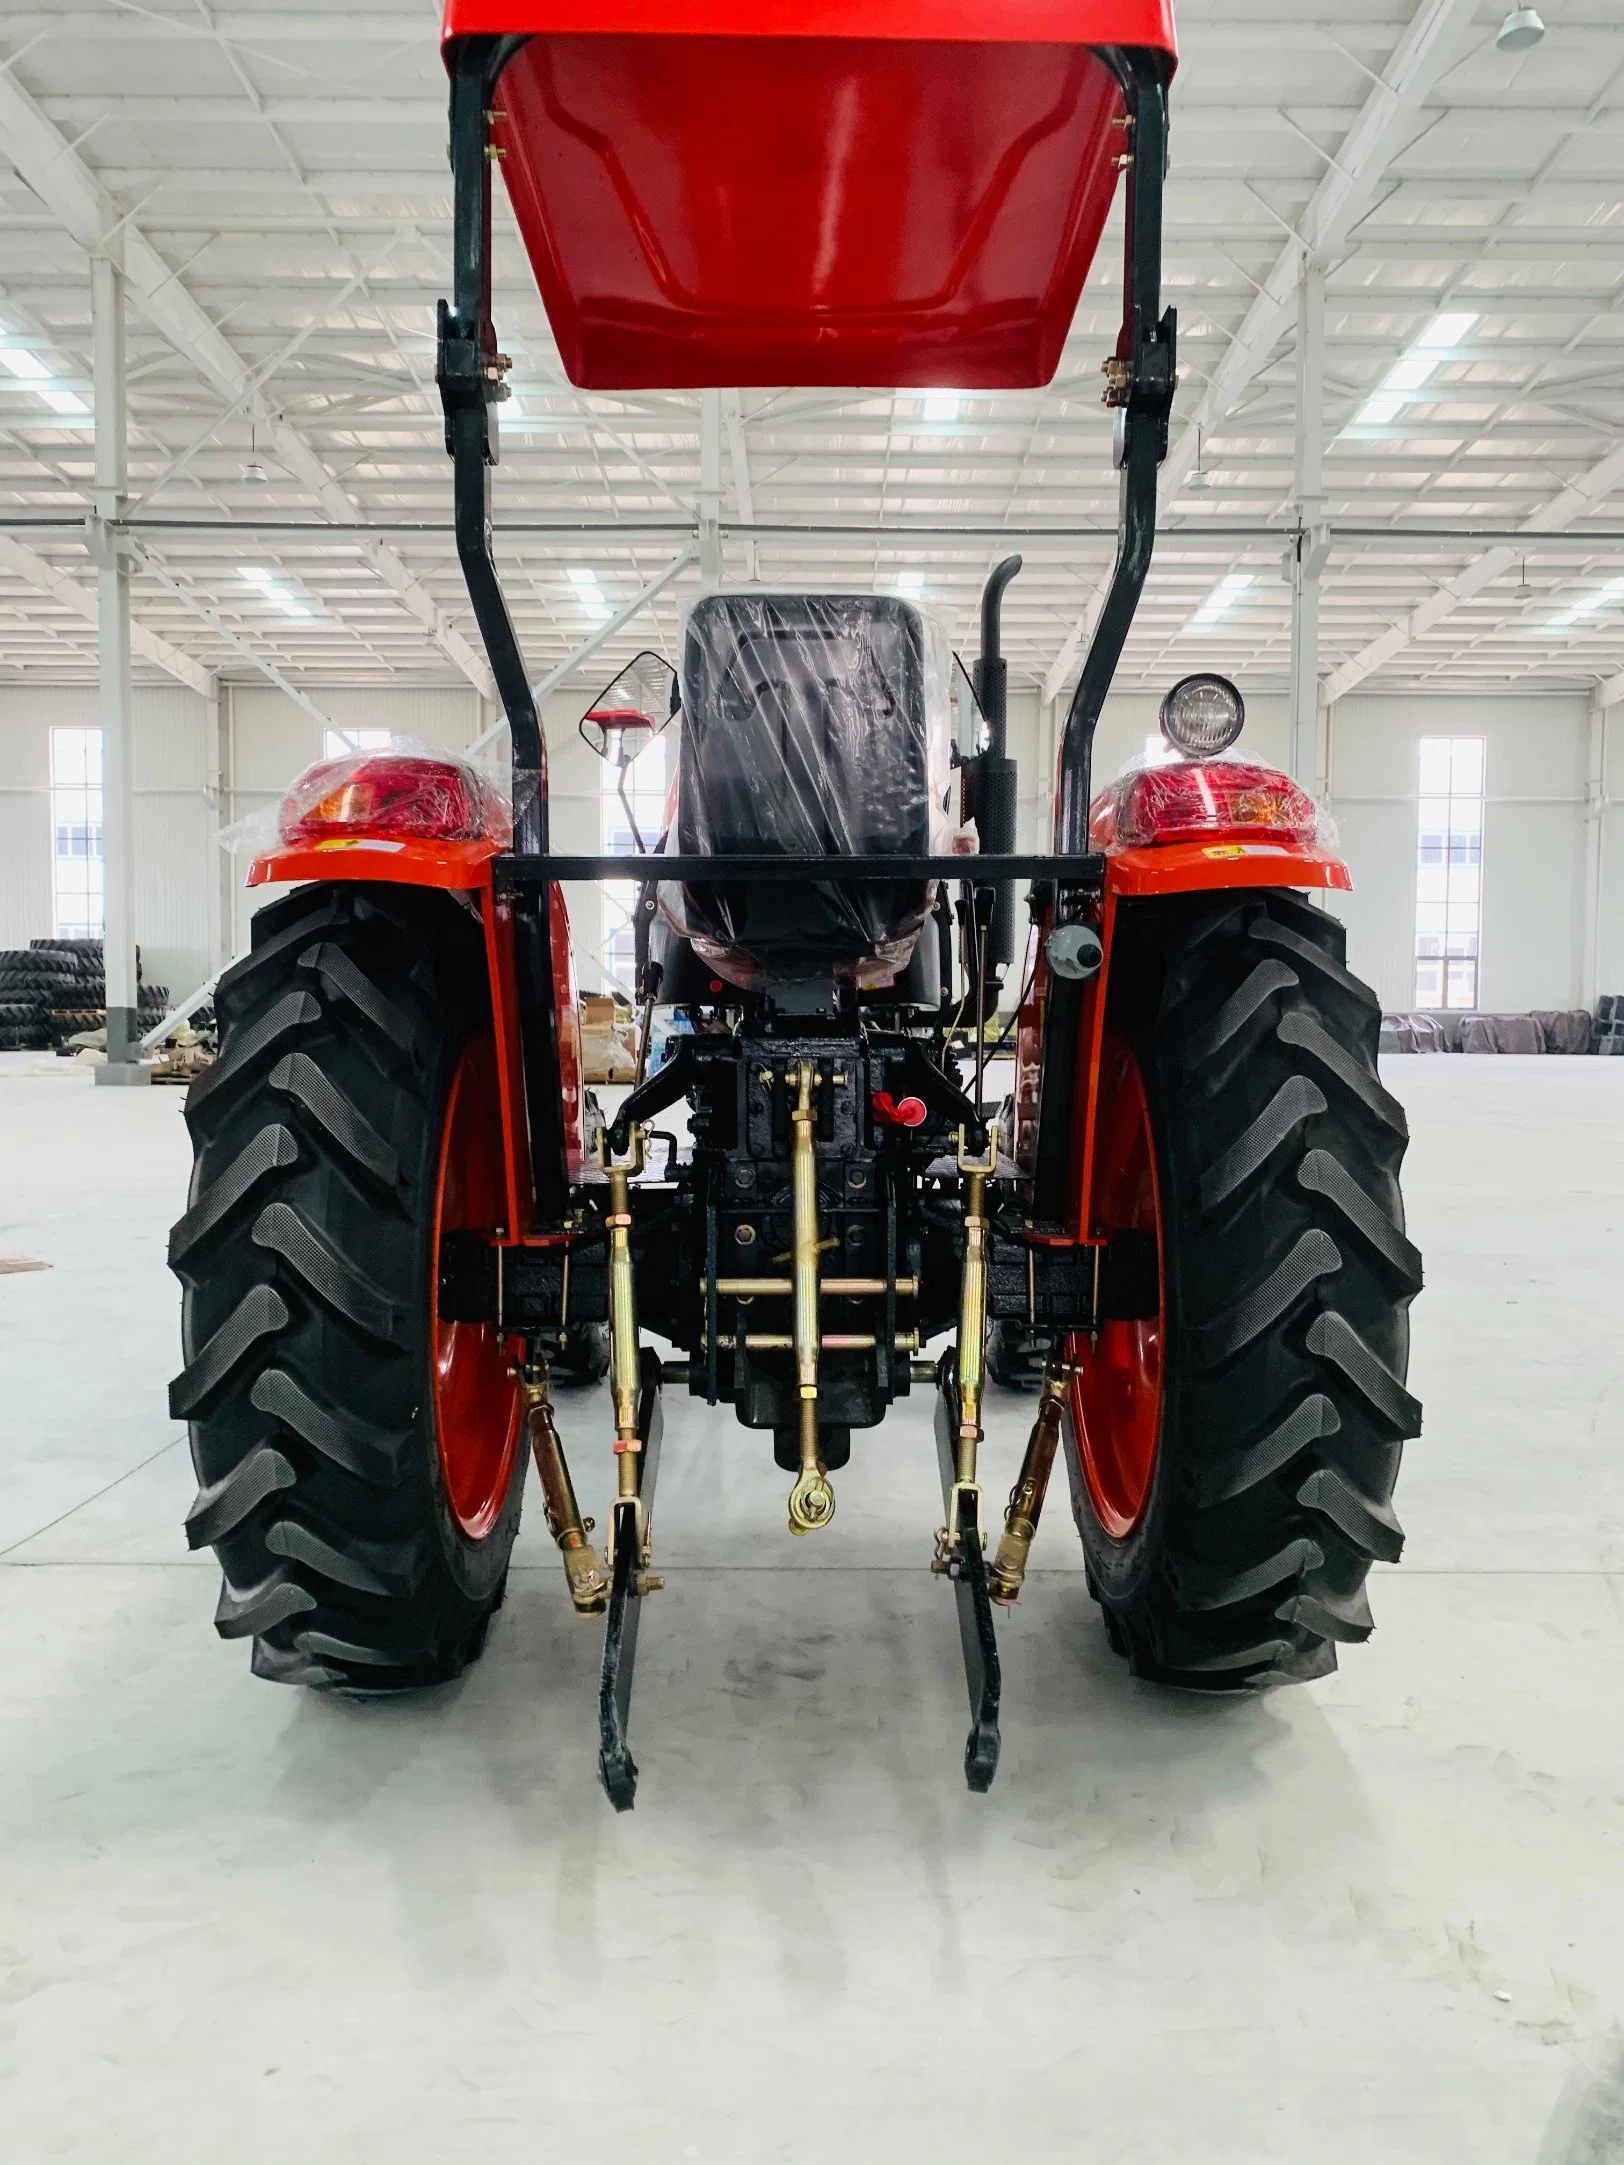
820,725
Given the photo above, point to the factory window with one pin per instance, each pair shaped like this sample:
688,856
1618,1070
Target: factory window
76,832
345,743
1449,872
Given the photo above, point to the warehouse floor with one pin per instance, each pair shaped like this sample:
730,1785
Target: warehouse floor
1379,1918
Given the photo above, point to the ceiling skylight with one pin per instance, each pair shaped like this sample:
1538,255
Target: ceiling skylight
271,588
30,369
1415,367
1584,612
1222,599
590,594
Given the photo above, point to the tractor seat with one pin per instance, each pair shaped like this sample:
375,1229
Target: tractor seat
818,725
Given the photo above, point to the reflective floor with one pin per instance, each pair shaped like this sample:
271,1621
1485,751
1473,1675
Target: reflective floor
1379,1918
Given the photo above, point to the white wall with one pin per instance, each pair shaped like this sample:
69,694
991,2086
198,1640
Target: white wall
197,770
172,821
1533,841
1534,829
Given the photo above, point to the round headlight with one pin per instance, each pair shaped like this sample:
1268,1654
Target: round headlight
1202,715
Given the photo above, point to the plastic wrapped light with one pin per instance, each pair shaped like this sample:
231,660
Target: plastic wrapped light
1202,715
391,797
1229,800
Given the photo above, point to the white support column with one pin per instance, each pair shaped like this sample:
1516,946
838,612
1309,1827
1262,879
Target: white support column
230,870
708,508
1595,861
113,660
1311,548
219,894
744,494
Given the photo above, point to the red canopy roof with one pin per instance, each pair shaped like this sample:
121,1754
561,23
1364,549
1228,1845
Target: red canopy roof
976,22
811,191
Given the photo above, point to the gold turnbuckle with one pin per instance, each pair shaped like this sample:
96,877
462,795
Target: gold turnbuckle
811,1500
589,1587
972,1333
1008,1573
624,1356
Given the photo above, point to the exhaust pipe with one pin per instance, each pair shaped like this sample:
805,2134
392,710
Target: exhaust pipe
994,777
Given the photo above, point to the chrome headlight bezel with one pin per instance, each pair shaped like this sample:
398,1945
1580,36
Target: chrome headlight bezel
1202,715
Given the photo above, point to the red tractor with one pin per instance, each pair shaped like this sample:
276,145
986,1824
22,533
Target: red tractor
1184,1223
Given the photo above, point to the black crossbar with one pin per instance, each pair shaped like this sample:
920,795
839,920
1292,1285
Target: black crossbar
980,871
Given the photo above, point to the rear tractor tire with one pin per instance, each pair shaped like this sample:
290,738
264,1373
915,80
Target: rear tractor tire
1233,1458
361,1460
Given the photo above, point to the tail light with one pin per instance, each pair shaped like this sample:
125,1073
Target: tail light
395,797
1232,799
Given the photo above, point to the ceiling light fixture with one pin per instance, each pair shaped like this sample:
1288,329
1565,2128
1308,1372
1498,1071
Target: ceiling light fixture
254,471
1523,591
941,406
1521,31
1200,482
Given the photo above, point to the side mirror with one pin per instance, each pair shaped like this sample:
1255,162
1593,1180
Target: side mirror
969,725
627,715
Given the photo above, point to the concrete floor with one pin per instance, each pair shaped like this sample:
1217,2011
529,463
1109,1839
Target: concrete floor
1379,1919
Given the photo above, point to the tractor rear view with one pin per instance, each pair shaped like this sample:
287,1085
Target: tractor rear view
1183,1226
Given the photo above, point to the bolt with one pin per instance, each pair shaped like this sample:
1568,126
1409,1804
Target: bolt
745,1235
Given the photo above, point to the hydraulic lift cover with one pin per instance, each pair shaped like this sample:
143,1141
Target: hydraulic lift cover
820,192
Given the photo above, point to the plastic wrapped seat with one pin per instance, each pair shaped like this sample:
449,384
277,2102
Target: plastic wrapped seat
813,724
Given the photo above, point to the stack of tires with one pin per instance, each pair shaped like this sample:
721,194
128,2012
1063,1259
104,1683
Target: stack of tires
55,989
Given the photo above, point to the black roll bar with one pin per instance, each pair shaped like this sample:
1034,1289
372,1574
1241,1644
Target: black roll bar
1140,381
470,374
1141,377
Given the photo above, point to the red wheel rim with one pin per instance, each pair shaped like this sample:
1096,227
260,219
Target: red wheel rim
476,1399
1116,1392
